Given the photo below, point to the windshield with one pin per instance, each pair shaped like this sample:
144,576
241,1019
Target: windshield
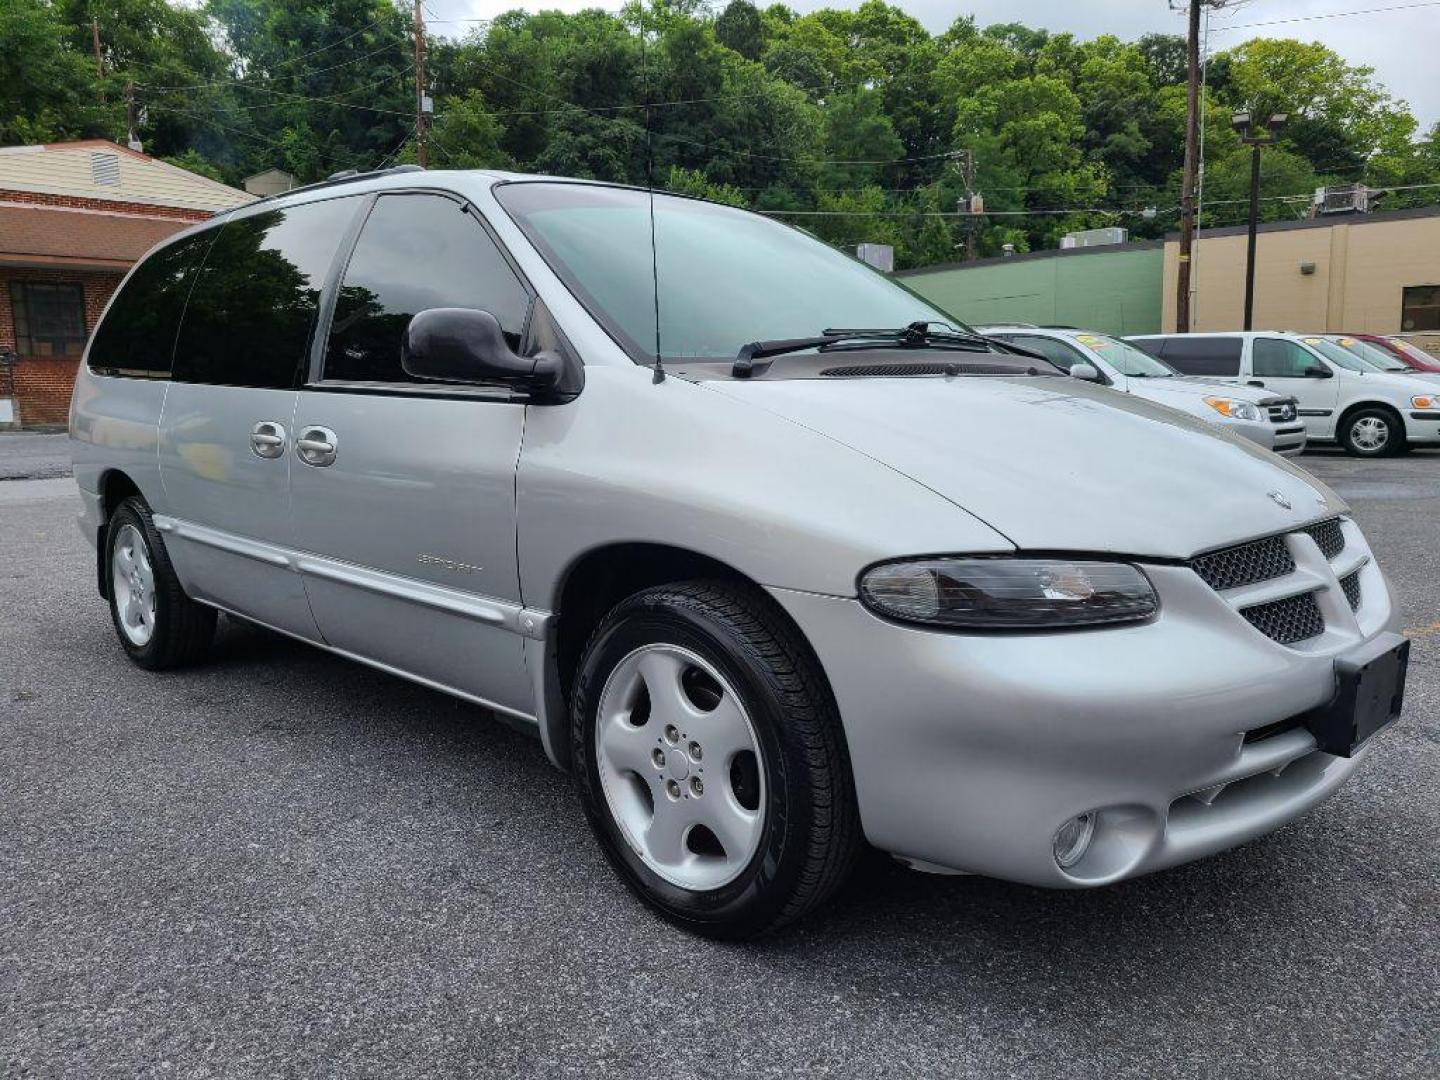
725,277
1373,354
1418,356
1126,358
1338,355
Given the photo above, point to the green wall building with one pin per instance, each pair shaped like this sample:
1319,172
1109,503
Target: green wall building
1114,290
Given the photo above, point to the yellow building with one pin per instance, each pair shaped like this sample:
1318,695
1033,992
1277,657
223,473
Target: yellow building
1362,273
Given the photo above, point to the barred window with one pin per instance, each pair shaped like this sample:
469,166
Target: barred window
49,318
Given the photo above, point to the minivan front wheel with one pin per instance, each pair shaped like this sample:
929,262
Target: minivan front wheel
1373,432
157,624
710,760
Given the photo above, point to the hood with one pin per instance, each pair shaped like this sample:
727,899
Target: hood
1058,464
1200,388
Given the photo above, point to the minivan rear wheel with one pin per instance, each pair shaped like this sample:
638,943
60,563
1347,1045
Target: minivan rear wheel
1372,432
710,761
158,625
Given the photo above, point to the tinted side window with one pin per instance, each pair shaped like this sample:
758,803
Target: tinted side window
415,252
1219,356
137,335
1154,346
252,311
1276,358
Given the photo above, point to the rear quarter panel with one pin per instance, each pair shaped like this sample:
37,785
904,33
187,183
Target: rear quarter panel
115,424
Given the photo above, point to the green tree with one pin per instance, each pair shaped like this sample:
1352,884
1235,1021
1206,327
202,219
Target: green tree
741,28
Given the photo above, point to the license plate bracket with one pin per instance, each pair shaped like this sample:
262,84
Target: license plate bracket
1369,694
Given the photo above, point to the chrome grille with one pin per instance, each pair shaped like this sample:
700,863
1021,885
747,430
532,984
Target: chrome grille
1351,584
1245,564
1329,536
1293,619
1281,412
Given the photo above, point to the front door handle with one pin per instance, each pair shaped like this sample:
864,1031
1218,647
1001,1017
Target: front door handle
316,446
1255,382
267,439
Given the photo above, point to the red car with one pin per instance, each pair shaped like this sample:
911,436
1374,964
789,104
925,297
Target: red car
1412,355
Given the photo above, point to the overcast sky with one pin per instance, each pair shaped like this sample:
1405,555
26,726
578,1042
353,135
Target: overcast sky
1402,46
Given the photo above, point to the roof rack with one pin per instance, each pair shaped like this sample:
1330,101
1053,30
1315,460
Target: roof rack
344,176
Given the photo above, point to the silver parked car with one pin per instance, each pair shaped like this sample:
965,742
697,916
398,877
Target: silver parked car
769,587
1254,414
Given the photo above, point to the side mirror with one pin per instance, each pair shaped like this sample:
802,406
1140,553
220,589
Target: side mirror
465,345
1088,372
1317,371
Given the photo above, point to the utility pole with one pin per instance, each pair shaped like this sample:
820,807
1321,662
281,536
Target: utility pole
131,117
1245,127
95,38
972,205
422,153
1192,157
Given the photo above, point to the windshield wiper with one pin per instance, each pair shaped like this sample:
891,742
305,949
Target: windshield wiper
917,335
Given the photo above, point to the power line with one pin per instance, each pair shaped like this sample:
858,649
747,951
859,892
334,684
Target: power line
293,59
245,84
1328,15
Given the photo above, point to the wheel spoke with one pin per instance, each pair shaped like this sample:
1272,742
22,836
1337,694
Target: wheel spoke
125,559
665,838
662,672
626,748
735,827
142,564
723,731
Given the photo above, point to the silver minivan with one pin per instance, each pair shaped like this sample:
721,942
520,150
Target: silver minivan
1256,414
773,556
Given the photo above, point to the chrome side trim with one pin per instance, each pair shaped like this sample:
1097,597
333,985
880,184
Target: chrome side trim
496,612
529,722
532,623
224,541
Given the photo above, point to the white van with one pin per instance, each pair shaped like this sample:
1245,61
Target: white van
1342,398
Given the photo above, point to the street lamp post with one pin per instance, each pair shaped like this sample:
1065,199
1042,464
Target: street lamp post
1244,125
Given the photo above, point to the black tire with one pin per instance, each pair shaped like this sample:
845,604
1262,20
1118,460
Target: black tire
811,833
183,630
1394,442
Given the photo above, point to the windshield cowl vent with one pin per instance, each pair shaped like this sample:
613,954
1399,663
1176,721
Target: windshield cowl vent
873,371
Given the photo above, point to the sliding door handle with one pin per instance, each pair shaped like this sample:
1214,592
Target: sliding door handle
316,446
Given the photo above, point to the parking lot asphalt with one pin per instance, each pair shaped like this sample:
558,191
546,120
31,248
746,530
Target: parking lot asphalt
283,864
28,455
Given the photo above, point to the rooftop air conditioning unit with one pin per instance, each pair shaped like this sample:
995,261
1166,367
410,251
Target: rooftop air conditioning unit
1345,199
880,256
1094,238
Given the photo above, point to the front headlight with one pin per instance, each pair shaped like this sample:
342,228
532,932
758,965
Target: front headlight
1234,408
1008,594
1425,401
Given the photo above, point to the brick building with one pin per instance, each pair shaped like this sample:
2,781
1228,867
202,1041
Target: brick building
74,217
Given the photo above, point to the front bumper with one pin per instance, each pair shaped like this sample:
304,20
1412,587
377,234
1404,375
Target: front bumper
1287,439
969,751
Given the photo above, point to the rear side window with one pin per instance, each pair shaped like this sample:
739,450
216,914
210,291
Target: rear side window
415,252
1214,356
252,311
137,335
1276,358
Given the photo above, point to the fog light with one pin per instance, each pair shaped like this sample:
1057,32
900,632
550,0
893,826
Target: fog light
1073,839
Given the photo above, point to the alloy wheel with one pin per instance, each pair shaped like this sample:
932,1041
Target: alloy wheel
1370,433
132,583
681,767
